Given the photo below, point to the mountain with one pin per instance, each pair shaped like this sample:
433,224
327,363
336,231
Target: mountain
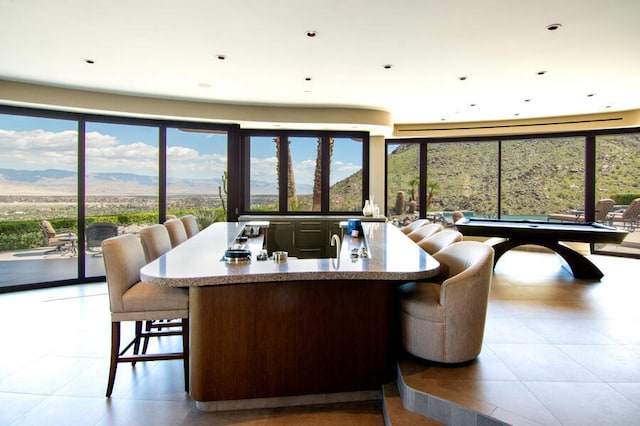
62,182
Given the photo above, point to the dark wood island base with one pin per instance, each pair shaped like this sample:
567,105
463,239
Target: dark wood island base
280,339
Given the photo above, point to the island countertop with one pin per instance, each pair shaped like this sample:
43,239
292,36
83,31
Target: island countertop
199,261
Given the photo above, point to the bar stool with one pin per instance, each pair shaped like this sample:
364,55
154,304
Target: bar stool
133,300
177,233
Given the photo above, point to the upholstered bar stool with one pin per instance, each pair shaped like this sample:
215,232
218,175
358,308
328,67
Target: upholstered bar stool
414,225
155,241
190,223
425,231
440,240
445,322
133,300
177,233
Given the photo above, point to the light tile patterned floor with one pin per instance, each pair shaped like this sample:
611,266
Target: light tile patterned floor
558,351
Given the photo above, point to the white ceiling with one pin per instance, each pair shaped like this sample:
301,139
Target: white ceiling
169,49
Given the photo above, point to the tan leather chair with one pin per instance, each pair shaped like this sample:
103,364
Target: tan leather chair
177,233
445,322
440,240
155,241
414,225
133,300
190,223
425,231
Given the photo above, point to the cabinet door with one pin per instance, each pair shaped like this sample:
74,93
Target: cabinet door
280,237
310,239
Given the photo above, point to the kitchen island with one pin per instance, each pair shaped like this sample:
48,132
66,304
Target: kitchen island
266,334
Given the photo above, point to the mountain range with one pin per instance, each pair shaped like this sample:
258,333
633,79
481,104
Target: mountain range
52,182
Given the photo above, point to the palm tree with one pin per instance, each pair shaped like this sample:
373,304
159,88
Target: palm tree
413,182
292,196
432,189
317,176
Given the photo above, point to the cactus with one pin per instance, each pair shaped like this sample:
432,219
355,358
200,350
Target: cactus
400,202
222,188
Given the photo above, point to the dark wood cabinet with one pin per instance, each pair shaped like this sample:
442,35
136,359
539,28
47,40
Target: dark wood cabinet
303,237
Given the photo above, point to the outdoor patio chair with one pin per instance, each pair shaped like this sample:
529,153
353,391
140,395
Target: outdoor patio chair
97,232
56,239
603,207
628,218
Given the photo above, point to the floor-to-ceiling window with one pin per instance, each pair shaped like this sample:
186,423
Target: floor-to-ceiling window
121,180
464,177
617,177
133,172
38,182
542,176
560,178
197,174
403,182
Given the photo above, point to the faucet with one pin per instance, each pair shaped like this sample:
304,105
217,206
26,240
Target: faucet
335,242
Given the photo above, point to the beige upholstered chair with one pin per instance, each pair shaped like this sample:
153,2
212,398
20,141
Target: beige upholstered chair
133,300
177,233
445,322
440,240
414,225
425,231
190,225
155,241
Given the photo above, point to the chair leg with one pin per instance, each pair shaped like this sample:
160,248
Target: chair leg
115,348
136,344
185,352
145,345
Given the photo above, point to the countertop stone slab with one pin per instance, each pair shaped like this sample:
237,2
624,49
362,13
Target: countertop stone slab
199,260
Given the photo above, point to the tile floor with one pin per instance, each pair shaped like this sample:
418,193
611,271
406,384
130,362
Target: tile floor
558,351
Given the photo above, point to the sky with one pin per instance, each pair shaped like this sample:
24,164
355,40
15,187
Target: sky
32,143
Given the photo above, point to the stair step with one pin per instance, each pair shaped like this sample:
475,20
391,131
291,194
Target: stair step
396,415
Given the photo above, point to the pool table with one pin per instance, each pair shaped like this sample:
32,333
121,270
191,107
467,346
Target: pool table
548,235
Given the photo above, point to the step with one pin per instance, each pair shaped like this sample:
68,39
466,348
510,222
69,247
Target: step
396,415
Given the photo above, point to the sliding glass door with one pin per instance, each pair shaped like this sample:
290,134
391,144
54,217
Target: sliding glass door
38,200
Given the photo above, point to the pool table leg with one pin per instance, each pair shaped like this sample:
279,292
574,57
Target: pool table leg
580,266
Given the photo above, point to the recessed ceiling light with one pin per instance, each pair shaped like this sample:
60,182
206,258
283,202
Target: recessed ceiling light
553,27
388,66
527,100
472,105
542,72
221,57
462,78
311,33
90,61
307,79
591,95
